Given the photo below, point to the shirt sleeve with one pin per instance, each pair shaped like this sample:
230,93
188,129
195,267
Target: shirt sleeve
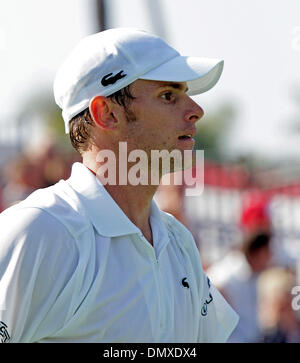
37,259
217,320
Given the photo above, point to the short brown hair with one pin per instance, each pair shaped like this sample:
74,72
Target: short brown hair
256,241
82,124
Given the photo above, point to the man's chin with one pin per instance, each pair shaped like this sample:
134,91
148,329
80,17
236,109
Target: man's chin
188,161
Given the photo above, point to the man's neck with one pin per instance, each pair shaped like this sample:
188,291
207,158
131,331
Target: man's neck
134,200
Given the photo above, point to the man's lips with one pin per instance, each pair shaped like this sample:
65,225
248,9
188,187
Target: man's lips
187,135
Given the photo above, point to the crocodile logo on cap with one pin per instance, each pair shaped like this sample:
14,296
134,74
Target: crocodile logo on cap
110,79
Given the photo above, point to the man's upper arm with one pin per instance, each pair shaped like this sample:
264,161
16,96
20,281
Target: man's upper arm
37,259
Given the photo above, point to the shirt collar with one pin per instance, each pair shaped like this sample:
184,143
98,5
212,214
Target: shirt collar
104,213
159,230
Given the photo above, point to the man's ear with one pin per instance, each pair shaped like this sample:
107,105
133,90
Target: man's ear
102,113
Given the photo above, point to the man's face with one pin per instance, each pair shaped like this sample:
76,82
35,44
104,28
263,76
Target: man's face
164,117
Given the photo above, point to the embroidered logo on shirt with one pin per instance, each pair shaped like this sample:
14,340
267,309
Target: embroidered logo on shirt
185,283
3,332
207,301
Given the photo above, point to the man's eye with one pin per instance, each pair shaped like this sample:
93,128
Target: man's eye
168,96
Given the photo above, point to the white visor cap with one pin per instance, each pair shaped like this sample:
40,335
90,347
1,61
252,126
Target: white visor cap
105,62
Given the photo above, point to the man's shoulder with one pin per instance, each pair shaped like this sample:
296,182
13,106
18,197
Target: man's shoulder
178,230
172,222
56,204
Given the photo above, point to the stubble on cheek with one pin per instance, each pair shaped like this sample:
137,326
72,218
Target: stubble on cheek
143,137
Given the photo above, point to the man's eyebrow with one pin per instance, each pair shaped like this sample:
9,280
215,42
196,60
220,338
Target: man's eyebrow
175,85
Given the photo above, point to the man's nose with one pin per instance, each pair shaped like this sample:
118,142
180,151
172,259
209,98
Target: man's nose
194,113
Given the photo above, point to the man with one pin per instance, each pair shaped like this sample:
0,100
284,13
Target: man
85,261
237,273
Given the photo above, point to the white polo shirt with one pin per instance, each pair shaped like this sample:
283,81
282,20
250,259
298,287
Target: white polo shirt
74,268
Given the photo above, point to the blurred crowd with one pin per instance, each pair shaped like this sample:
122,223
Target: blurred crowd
250,276
256,286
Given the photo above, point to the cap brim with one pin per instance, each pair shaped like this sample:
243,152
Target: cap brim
201,74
